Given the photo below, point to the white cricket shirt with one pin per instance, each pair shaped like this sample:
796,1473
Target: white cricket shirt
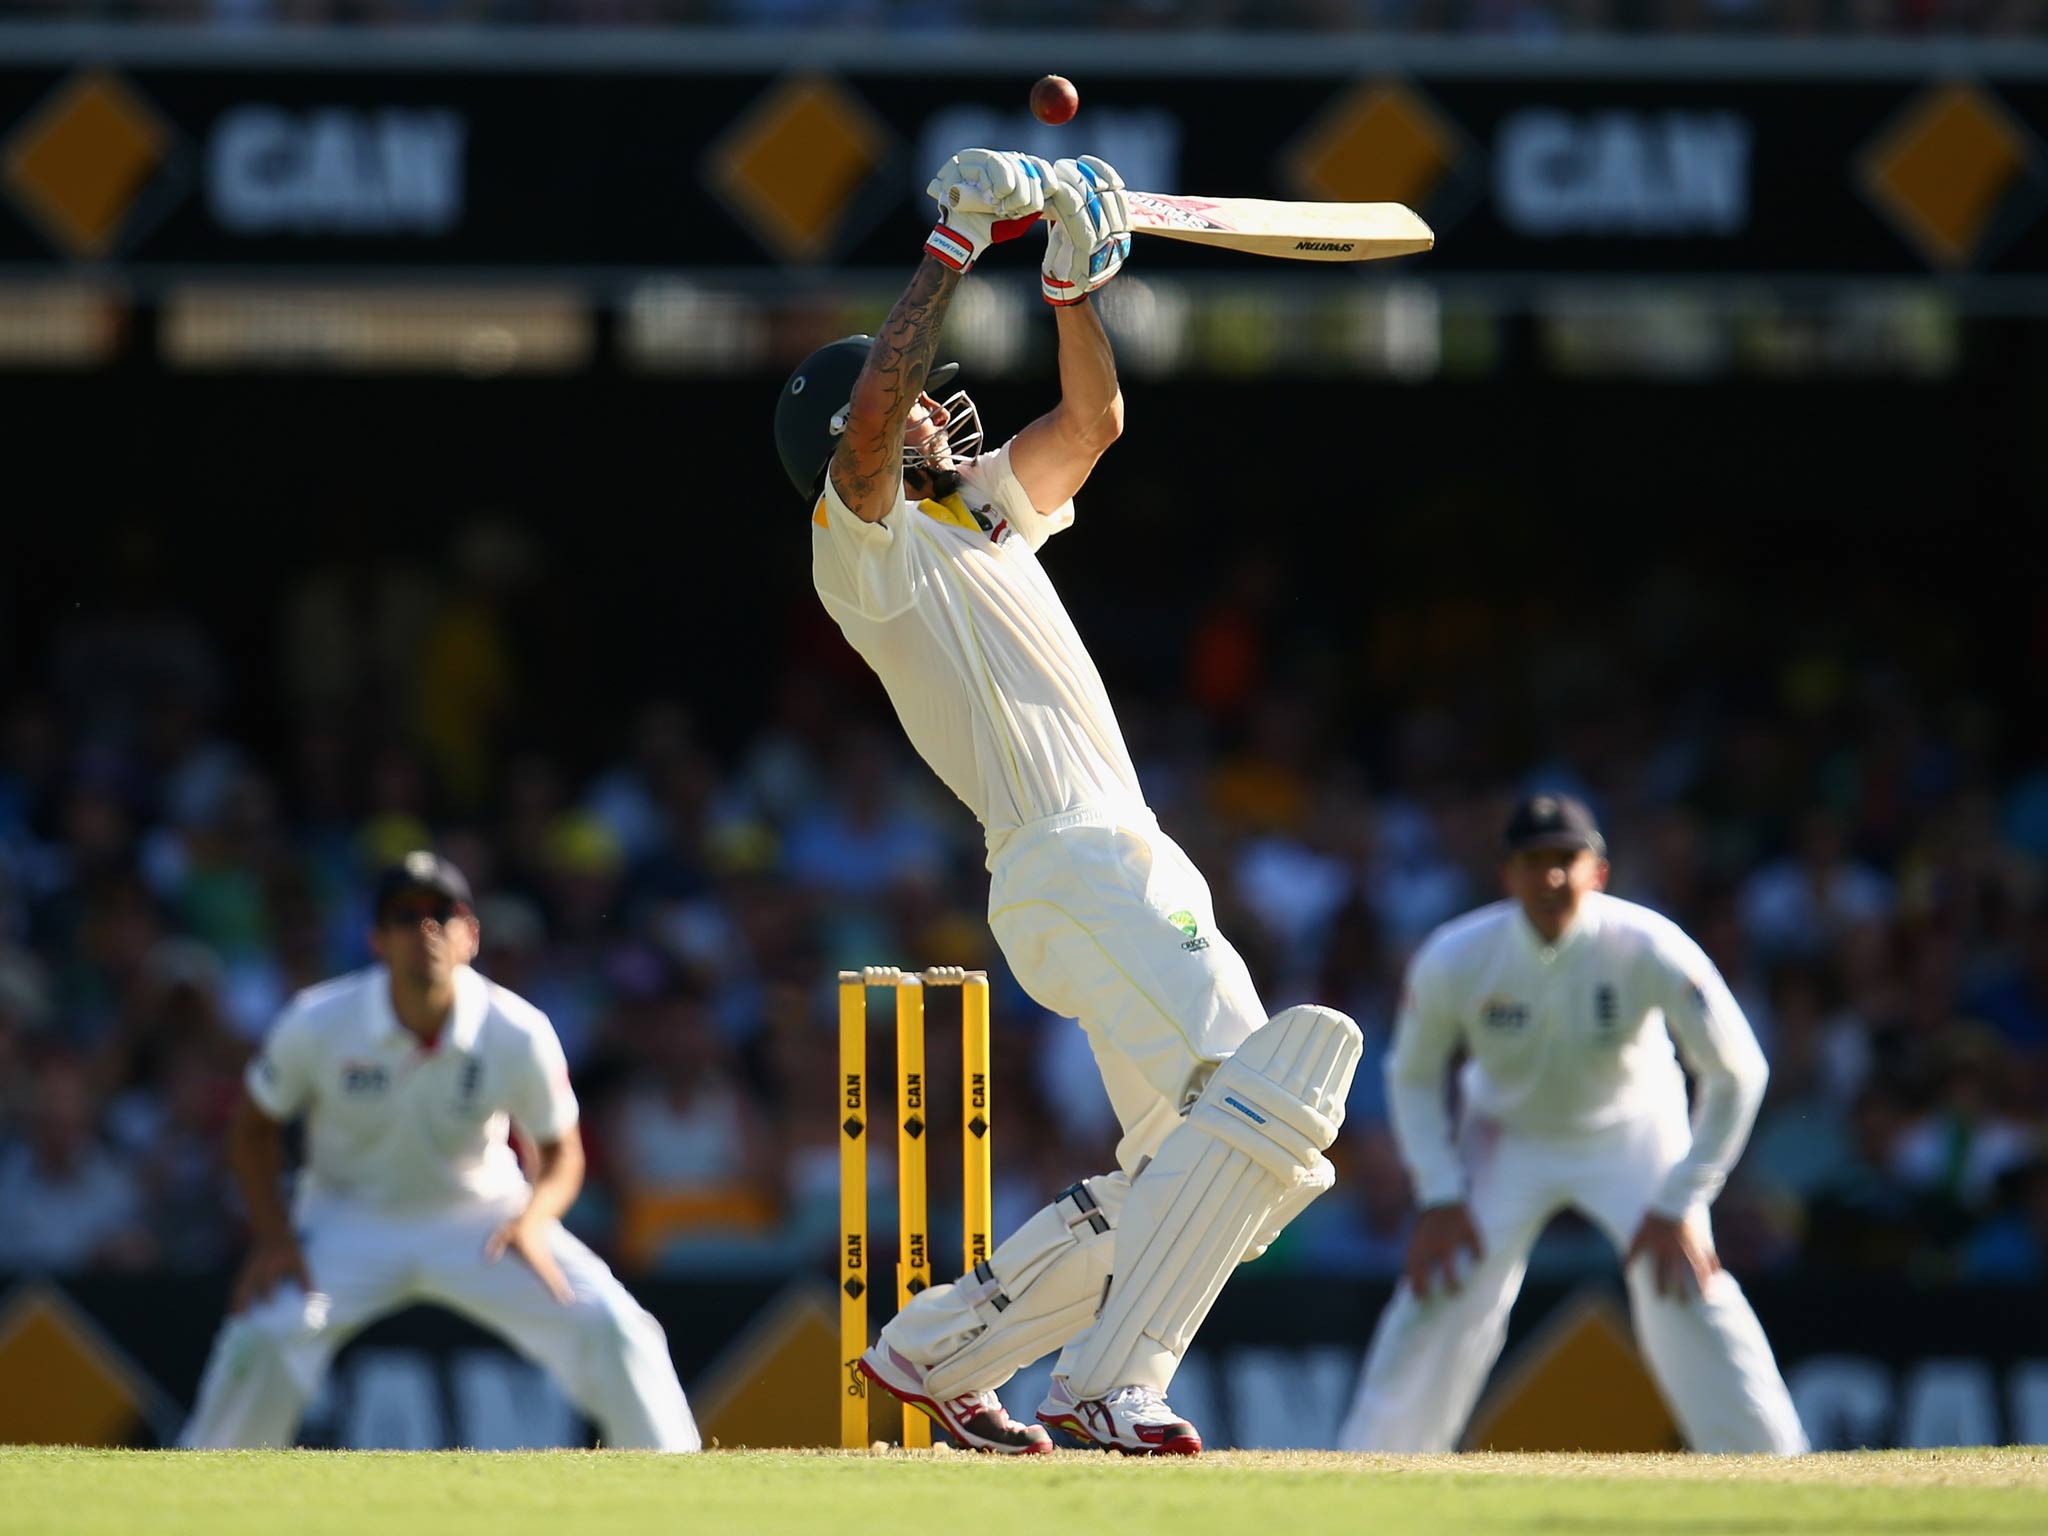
396,1124
1571,1038
949,605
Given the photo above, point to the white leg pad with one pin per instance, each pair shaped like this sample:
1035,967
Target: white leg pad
1249,1151
1036,1291
1321,1177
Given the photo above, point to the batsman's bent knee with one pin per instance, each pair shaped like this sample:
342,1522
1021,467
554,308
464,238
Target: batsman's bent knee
1247,1159
1037,1290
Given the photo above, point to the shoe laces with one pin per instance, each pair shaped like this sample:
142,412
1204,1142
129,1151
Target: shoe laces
1141,1405
968,1404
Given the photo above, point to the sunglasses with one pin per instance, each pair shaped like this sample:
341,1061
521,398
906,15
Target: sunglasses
410,914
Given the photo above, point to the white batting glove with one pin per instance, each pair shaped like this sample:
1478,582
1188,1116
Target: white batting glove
985,196
1088,229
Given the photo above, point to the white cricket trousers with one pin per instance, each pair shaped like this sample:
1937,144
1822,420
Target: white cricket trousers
1104,919
1429,1359
606,1352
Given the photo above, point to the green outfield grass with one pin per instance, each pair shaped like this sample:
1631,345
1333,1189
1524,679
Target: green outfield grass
763,1493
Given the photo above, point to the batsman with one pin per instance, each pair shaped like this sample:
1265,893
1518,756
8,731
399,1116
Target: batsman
925,551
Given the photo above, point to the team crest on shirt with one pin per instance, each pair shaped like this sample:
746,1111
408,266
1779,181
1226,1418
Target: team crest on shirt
998,529
467,1084
1504,1013
1606,1012
1185,922
364,1079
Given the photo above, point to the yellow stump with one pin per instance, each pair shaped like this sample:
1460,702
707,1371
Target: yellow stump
914,1262
914,1257
976,1186
854,1273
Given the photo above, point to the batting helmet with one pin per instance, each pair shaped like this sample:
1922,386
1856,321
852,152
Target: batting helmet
811,411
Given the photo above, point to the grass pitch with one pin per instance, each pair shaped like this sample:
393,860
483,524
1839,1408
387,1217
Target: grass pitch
1243,1493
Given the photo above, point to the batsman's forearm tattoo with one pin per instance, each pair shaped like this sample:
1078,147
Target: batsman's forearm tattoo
899,364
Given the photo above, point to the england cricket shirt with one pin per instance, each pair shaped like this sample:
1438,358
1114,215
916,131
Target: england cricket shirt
1569,1038
393,1123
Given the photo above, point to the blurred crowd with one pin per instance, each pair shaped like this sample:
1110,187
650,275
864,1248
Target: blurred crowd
1511,18
1857,839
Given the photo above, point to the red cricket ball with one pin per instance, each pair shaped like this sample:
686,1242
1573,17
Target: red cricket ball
1054,99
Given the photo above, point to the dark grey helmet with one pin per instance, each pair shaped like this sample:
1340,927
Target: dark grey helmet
811,411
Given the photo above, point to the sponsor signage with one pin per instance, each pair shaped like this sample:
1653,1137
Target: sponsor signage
745,171
1868,1364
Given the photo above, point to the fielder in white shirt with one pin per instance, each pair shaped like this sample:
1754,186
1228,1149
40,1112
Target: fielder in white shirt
1566,1001
407,1076
926,555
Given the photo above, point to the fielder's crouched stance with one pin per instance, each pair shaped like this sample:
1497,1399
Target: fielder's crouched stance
1572,1097
925,553
407,1075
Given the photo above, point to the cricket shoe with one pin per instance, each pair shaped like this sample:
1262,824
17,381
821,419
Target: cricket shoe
976,1421
1134,1420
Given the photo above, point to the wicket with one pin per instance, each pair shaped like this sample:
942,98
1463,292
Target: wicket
913,1264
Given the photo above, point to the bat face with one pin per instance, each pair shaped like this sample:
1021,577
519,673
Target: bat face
1161,212
1293,231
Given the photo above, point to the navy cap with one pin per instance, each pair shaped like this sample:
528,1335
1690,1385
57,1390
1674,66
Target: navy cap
1554,821
422,871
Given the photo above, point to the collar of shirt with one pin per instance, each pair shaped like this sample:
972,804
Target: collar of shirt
1584,924
465,1019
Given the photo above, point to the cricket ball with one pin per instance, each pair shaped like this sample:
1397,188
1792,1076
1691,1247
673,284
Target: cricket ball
1054,99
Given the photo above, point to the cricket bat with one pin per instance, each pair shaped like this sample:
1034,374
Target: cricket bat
1292,231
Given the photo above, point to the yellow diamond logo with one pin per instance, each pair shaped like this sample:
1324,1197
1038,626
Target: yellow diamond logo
1577,1384
1948,170
1381,143
793,166
63,1382
81,161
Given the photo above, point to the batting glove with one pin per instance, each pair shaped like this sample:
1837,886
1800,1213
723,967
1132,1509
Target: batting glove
985,196
1088,229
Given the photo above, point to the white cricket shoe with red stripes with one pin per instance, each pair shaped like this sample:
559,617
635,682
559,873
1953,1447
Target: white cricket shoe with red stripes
976,1421
1134,1420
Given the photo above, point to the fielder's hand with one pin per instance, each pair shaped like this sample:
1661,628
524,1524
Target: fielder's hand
985,196
268,1266
530,1241
1441,1233
1681,1262
1089,229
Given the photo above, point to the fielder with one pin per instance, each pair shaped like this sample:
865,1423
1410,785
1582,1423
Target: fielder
407,1075
925,552
1571,1096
